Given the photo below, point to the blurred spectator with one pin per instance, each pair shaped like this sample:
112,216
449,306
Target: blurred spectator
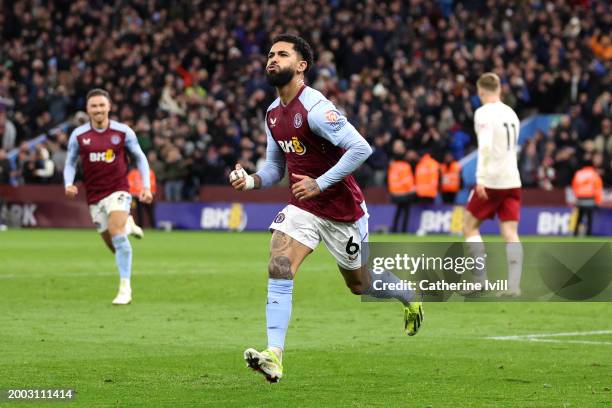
565,166
546,173
8,132
155,165
601,45
603,141
427,178
58,147
450,183
400,183
5,168
173,175
378,160
587,186
40,166
23,169
528,164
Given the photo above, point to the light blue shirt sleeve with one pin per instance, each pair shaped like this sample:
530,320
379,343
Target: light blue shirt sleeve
329,123
131,144
273,169
71,160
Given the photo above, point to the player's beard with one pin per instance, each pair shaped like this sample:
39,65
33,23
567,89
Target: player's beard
280,78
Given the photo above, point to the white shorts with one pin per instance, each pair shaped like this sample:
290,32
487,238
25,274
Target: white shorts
344,240
117,201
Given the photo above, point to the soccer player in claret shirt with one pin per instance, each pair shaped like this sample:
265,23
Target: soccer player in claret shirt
102,145
321,149
498,183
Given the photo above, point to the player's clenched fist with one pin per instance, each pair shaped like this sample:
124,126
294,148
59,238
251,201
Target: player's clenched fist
145,196
71,191
240,180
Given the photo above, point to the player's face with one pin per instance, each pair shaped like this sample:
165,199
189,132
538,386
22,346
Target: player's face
283,64
98,108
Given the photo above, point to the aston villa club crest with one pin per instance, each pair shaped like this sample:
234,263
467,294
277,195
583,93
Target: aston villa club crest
297,120
280,217
115,139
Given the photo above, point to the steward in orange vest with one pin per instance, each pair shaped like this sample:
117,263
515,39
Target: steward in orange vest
451,178
135,183
399,178
400,183
588,190
427,178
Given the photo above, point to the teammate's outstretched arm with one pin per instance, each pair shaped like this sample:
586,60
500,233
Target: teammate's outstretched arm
131,143
70,167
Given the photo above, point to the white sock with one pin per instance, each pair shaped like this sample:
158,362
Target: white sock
514,254
124,283
128,225
476,248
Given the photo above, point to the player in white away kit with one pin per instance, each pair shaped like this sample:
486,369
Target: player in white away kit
321,149
498,183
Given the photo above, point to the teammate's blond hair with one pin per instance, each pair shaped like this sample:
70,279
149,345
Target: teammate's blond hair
489,82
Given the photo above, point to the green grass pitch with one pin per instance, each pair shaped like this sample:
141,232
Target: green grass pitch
199,301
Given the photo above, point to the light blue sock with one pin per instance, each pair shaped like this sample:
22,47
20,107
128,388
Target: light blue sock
404,296
278,311
123,255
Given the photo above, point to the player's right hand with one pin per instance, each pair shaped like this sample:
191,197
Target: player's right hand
71,191
240,180
481,192
145,196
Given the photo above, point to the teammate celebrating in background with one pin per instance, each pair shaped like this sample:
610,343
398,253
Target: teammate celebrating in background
102,143
498,184
321,150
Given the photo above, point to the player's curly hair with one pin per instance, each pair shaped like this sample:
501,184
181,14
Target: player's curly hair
300,45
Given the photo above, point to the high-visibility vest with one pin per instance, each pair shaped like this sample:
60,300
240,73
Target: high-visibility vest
427,177
135,182
587,184
451,177
399,178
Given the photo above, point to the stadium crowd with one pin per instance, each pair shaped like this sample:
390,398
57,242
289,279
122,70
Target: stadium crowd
189,77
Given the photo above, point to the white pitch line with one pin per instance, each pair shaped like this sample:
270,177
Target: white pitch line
545,337
570,341
538,335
